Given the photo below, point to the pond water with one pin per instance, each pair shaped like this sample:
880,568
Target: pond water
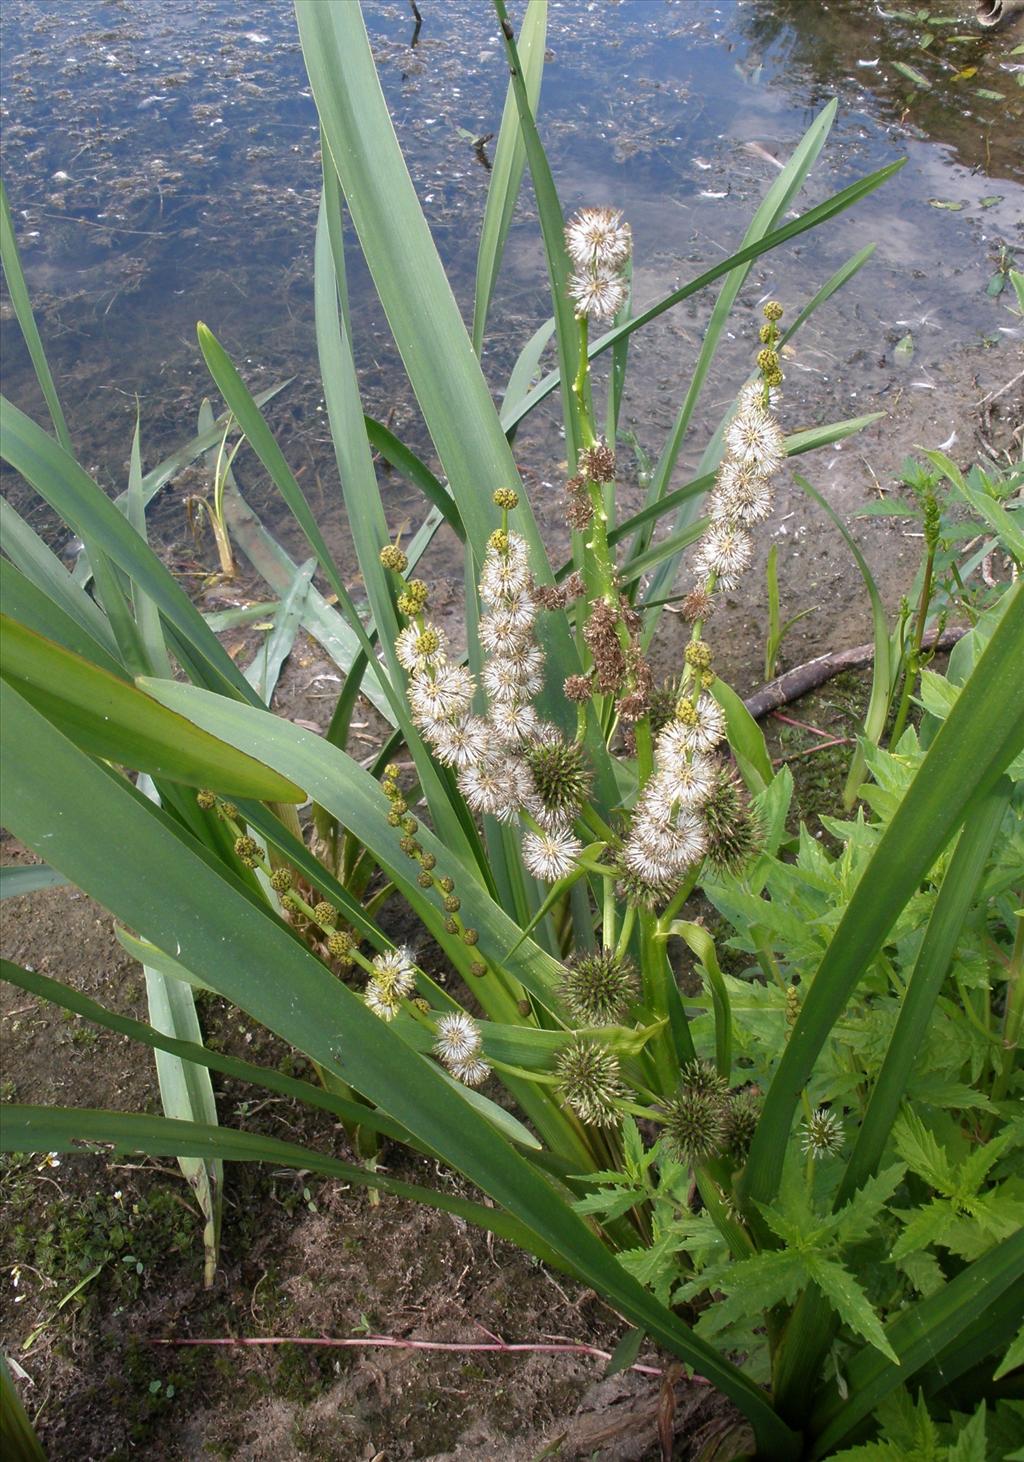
161,161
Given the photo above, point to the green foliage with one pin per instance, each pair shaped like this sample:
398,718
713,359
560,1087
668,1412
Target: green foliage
831,1203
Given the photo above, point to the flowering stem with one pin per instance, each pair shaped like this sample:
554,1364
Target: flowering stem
625,933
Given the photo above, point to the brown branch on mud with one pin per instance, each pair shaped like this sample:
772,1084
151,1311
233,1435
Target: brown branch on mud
803,678
395,1343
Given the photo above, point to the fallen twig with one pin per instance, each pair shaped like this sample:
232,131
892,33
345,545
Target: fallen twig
803,678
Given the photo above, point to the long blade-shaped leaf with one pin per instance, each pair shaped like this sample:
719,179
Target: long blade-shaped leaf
33,607
884,668
981,736
113,719
71,492
23,310
366,518
44,569
549,210
70,1129
838,203
186,1094
917,1335
255,962
773,207
507,169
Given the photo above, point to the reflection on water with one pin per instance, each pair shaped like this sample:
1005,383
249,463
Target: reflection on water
930,71
161,158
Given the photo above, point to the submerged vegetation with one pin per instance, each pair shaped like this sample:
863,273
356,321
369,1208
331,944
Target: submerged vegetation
796,1170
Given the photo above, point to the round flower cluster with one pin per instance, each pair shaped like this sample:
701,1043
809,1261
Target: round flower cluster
599,244
508,762
589,1082
458,1045
392,981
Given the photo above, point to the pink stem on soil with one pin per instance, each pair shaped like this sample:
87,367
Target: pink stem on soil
393,1343
810,750
804,725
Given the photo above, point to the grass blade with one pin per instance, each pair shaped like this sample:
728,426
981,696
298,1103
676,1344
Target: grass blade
187,1094
773,207
44,569
368,524
69,1129
265,669
255,962
71,492
507,169
404,460
837,204
17,1436
23,311
17,881
113,719
527,365
885,665
33,607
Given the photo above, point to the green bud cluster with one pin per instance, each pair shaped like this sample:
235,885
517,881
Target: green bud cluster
393,558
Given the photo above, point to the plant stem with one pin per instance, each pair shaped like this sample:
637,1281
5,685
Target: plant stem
913,658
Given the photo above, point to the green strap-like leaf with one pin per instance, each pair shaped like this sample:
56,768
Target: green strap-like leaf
23,310
507,168
838,203
918,1333
114,720
78,1129
252,960
71,492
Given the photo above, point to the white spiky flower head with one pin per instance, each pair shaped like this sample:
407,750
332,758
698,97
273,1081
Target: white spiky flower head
493,786
462,743
725,551
458,1037
754,440
395,969
419,648
598,237
504,634
444,696
503,577
671,843
647,864
383,1000
598,294
550,855
502,680
697,727
471,1072
681,780
741,495
513,721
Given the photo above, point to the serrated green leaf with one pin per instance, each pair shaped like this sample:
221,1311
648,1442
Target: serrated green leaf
849,1301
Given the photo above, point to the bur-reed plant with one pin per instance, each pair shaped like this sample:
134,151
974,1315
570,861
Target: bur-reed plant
795,1177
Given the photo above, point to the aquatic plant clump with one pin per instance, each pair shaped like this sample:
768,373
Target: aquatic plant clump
719,1148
